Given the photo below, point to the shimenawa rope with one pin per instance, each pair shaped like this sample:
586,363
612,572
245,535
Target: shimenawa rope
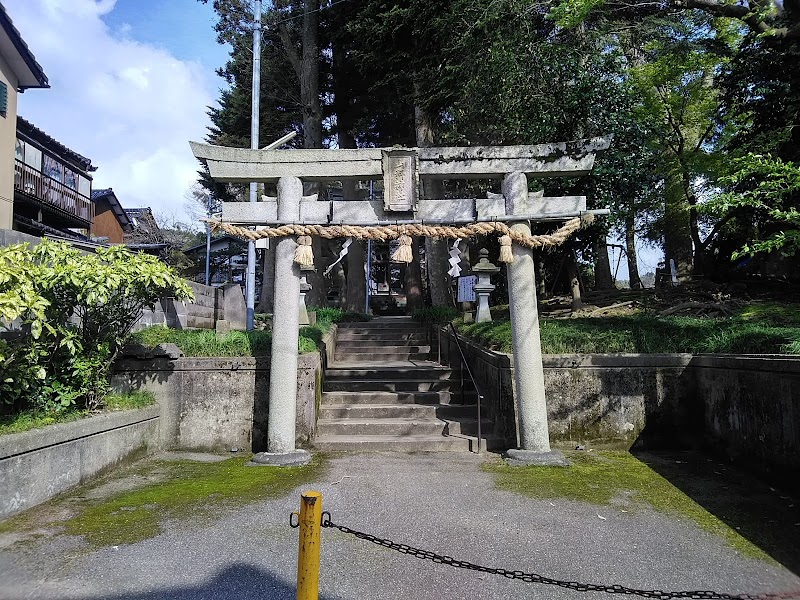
385,233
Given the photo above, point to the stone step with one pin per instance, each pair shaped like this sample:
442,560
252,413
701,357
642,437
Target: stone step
398,385
378,373
357,334
383,343
383,325
454,398
396,411
388,443
399,427
385,348
373,356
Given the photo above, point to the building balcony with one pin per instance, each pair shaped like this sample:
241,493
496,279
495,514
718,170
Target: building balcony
58,205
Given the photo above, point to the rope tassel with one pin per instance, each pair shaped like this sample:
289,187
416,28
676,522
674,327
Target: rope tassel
304,253
506,256
403,254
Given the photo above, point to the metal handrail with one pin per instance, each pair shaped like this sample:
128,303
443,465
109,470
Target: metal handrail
464,363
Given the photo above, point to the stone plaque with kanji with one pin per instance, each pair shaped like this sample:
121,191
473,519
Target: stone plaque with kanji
399,180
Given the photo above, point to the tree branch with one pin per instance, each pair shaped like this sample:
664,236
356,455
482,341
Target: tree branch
733,11
717,228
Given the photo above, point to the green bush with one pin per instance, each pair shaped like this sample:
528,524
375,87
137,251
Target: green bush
65,314
435,314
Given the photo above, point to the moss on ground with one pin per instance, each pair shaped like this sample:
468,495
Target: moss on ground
167,490
746,515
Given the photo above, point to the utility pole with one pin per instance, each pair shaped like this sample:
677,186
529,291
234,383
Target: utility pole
254,127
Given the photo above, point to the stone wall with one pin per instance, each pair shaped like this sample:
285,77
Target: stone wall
9,237
751,409
605,400
220,403
202,403
746,408
210,305
39,464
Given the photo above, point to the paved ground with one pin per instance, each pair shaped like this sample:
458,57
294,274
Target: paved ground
443,503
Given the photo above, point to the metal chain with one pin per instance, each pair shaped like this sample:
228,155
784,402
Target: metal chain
536,578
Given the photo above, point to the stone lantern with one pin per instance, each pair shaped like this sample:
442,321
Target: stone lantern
484,270
305,287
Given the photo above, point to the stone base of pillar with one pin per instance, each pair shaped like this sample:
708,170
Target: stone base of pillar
524,458
296,458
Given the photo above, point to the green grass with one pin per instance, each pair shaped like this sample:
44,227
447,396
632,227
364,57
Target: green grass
205,343
184,489
648,334
33,419
36,419
131,400
619,480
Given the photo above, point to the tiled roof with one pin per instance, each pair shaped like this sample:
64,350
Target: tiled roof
29,129
23,51
122,215
137,212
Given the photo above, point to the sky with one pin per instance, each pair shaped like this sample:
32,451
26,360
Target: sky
131,82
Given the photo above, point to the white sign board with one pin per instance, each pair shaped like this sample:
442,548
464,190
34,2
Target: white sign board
466,288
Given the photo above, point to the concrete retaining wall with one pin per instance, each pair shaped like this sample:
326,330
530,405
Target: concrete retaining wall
202,403
745,407
751,409
606,400
39,464
220,403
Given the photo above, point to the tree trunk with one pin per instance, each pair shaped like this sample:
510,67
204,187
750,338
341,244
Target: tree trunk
539,266
677,226
312,137
309,78
574,282
602,267
338,275
413,280
630,250
267,280
356,297
356,287
436,251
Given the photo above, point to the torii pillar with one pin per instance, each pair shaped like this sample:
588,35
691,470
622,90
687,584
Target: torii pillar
281,450
534,437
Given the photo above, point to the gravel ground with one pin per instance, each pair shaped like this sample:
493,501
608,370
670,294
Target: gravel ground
443,503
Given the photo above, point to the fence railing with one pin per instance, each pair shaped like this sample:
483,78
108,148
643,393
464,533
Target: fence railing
33,183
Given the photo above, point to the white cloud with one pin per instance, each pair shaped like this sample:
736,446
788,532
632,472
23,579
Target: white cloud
130,107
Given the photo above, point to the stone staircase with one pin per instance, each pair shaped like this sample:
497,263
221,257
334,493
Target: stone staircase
384,393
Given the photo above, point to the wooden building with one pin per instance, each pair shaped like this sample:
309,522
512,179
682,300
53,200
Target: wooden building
111,222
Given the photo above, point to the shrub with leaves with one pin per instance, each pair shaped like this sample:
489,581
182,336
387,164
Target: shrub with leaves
64,316
763,192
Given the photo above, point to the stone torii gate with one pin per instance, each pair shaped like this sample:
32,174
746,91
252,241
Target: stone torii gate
402,171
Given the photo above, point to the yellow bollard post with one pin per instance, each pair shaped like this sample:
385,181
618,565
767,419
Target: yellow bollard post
308,551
